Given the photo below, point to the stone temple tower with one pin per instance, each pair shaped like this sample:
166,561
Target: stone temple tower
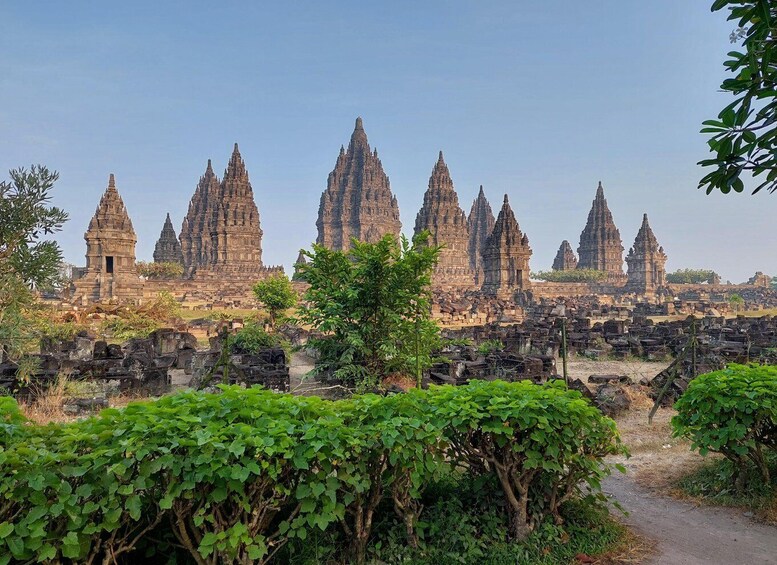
110,272
646,262
357,201
168,248
446,222
481,223
506,256
565,258
600,243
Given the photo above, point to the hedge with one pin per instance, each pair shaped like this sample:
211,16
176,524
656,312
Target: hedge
733,412
232,476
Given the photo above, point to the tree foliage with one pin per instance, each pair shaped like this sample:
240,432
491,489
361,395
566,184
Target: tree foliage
373,306
732,412
229,478
162,270
692,276
27,261
276,294
744,137
571,276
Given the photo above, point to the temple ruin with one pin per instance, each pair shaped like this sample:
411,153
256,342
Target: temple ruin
600,242
110,272
446,223
480,223
357,202
646,262
506,256
565,258
168,248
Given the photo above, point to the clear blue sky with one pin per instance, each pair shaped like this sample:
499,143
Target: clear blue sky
540,100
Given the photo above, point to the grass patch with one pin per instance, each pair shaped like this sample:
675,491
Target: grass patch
713,483
464,522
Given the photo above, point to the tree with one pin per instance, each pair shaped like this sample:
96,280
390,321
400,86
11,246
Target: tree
27,261
736,302
571,276
744,137
163,270
373,306
276,294
693,276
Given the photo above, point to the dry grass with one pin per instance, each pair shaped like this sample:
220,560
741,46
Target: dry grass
48,402
657,459
632,548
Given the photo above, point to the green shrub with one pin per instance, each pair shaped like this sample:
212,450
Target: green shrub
572,276
732,412
163,270
489,346
252,338
541,442
232,477
400,453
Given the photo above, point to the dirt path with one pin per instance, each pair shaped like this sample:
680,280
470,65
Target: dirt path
689,535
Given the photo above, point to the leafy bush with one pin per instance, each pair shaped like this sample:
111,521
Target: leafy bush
572,276
276,294
163,270
732,412
372,308
232,477
692,276
489,346
541,442
251,338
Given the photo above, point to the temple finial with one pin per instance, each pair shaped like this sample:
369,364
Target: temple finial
359,124
111,181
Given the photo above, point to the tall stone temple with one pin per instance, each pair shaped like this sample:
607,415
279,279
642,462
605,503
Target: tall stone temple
646,262
481,223
565,258
600,243
221,234
110,272
446,222
168,248
506,256
357,202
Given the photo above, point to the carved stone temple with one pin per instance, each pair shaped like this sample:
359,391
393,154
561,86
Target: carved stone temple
646,262
600,242
168,248
506,256
221,235
357,202
565,258
110,272
446,222
481,223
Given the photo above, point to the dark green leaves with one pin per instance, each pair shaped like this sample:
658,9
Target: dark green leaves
743,138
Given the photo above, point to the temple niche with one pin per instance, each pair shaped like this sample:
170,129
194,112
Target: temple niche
646,262
357,202
446,223
480,223
600,242
506,256
565,258
110,272
168,248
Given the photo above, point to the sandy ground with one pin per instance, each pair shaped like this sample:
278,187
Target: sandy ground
683,532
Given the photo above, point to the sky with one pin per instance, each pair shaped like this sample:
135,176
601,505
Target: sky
538,100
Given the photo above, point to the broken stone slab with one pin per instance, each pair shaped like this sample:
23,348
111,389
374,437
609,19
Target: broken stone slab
601,379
